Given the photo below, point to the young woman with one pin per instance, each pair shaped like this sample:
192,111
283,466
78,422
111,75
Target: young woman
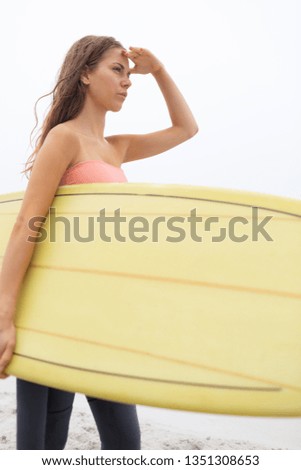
72,149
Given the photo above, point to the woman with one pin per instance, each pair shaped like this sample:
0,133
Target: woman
72,149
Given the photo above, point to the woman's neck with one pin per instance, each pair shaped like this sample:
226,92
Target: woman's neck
90,122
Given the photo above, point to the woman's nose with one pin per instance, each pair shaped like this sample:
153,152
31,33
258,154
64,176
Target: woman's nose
126,83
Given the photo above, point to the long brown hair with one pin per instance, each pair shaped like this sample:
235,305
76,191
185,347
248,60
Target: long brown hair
68,95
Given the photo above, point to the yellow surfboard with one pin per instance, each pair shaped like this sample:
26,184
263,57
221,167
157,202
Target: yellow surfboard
165,295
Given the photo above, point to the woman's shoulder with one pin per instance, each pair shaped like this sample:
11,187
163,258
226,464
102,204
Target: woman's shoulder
64,139
63,131
60,145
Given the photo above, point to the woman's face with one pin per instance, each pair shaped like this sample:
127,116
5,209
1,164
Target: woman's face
109,82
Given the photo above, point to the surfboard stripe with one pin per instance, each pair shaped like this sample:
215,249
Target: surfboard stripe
165,358
154,379
148,277
188,198
167,196
11,200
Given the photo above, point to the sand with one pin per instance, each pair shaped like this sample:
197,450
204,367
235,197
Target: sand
166,429
83,434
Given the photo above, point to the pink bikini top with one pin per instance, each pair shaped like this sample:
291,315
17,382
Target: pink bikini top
93,171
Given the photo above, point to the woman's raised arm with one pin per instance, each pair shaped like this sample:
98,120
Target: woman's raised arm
184,125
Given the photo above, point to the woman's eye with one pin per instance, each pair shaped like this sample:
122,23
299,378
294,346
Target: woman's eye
117,68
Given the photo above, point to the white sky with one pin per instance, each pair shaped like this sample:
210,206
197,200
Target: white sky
235,61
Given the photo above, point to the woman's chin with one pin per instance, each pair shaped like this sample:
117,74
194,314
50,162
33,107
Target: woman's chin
116,108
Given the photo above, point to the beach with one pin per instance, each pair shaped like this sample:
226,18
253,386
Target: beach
166,429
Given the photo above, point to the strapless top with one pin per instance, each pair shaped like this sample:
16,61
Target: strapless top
93,171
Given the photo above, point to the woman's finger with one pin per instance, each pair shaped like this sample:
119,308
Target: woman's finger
131,55
137,49
6,357
3,376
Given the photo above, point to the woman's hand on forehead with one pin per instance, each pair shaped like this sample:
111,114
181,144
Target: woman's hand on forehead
145,62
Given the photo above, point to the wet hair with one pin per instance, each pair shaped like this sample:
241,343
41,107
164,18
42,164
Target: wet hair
68,95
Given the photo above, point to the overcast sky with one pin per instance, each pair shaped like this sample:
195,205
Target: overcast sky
235,61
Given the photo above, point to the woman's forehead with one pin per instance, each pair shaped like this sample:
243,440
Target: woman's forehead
115,55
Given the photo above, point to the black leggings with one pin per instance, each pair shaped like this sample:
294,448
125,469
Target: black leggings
43,416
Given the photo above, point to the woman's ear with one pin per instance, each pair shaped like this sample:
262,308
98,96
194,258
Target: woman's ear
84,78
